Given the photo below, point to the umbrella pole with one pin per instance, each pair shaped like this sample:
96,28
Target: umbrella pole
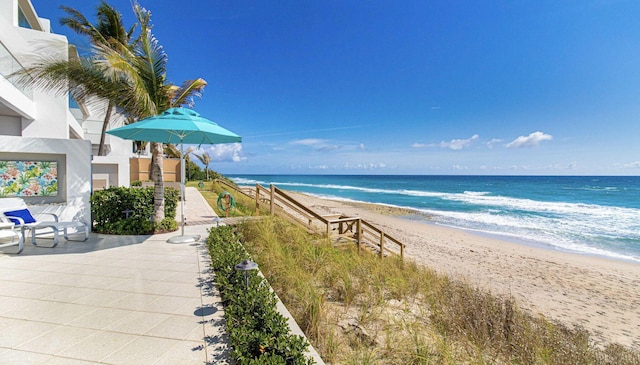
182,185
182,238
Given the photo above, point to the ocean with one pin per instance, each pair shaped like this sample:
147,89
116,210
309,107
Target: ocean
593,215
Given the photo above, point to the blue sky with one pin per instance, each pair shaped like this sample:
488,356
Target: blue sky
411,87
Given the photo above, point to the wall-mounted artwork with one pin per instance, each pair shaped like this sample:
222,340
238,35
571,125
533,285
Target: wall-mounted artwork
28,178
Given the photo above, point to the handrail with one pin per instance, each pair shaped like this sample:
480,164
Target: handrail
234,188
361,225
366,233
301,206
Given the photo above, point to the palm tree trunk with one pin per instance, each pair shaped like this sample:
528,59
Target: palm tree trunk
105,124
158,182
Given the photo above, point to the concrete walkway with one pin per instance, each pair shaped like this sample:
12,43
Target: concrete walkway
113,300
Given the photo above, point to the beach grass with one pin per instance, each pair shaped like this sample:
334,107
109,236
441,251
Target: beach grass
210,191
358,309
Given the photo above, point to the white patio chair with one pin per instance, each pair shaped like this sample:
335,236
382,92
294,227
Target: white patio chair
17,211
8,236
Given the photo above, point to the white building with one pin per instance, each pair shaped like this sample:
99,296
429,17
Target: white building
39,126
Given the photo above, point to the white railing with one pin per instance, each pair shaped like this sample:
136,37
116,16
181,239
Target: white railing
8,67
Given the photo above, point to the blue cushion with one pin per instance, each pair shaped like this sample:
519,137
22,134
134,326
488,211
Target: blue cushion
22,213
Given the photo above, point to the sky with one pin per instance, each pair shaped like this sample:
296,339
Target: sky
478,87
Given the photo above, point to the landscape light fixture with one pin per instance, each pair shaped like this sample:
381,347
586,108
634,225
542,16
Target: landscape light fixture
246,266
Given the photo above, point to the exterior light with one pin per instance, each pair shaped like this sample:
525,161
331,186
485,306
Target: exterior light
246,266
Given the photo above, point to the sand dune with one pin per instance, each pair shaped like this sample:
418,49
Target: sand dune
598,294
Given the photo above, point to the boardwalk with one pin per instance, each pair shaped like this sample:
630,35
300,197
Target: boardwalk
113,300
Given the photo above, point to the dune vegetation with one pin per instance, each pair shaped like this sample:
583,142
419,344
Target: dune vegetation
358,309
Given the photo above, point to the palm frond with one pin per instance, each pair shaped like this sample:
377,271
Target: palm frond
79,24
110,24
184,94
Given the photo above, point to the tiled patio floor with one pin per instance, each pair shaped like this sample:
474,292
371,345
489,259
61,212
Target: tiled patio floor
111,300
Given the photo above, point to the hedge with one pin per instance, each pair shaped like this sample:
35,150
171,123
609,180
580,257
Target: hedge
258,333
108,211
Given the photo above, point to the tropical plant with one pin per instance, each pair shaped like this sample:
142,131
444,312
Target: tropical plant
144,70
205,158
108,28
128,71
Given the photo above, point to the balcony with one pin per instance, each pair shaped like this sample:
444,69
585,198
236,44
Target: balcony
8,66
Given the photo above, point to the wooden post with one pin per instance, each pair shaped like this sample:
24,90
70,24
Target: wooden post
226,201
381,244
359,230
257,197
272,205
402,252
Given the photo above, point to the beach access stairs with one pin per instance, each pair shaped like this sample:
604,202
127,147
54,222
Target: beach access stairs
337,227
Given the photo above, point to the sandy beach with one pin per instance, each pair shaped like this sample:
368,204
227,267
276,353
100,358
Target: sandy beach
598,294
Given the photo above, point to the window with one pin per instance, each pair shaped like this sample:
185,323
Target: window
22,20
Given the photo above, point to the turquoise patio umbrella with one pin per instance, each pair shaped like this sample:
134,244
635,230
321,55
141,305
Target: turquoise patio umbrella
177,125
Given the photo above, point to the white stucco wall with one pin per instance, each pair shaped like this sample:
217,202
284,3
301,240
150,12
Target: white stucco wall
45,114
36,114
74,173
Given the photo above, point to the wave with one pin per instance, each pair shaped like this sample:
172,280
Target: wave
573,226
561,245
532,230
483,199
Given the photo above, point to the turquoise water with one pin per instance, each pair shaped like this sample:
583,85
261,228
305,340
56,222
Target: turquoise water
589,215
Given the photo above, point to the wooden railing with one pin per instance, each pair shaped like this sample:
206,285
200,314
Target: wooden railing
280,203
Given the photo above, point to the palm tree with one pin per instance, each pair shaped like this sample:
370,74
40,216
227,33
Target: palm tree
144,69
110,32
205,158
130,73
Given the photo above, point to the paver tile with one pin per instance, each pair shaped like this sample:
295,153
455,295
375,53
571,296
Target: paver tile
142,350
99,318
56,340
179,328
185,352
17,357
24,332
137,322
98,346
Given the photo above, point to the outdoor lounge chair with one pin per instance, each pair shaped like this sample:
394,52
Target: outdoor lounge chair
17,211
9,237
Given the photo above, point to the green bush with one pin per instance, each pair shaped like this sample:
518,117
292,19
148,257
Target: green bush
258,333
109,206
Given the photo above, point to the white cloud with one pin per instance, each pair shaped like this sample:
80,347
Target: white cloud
532,140
229,152
458,144
364,166
632,165
418,145
316,144
362,146
309,141
493,142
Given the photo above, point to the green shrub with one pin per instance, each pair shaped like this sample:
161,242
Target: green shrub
258,333
109,211
136,183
